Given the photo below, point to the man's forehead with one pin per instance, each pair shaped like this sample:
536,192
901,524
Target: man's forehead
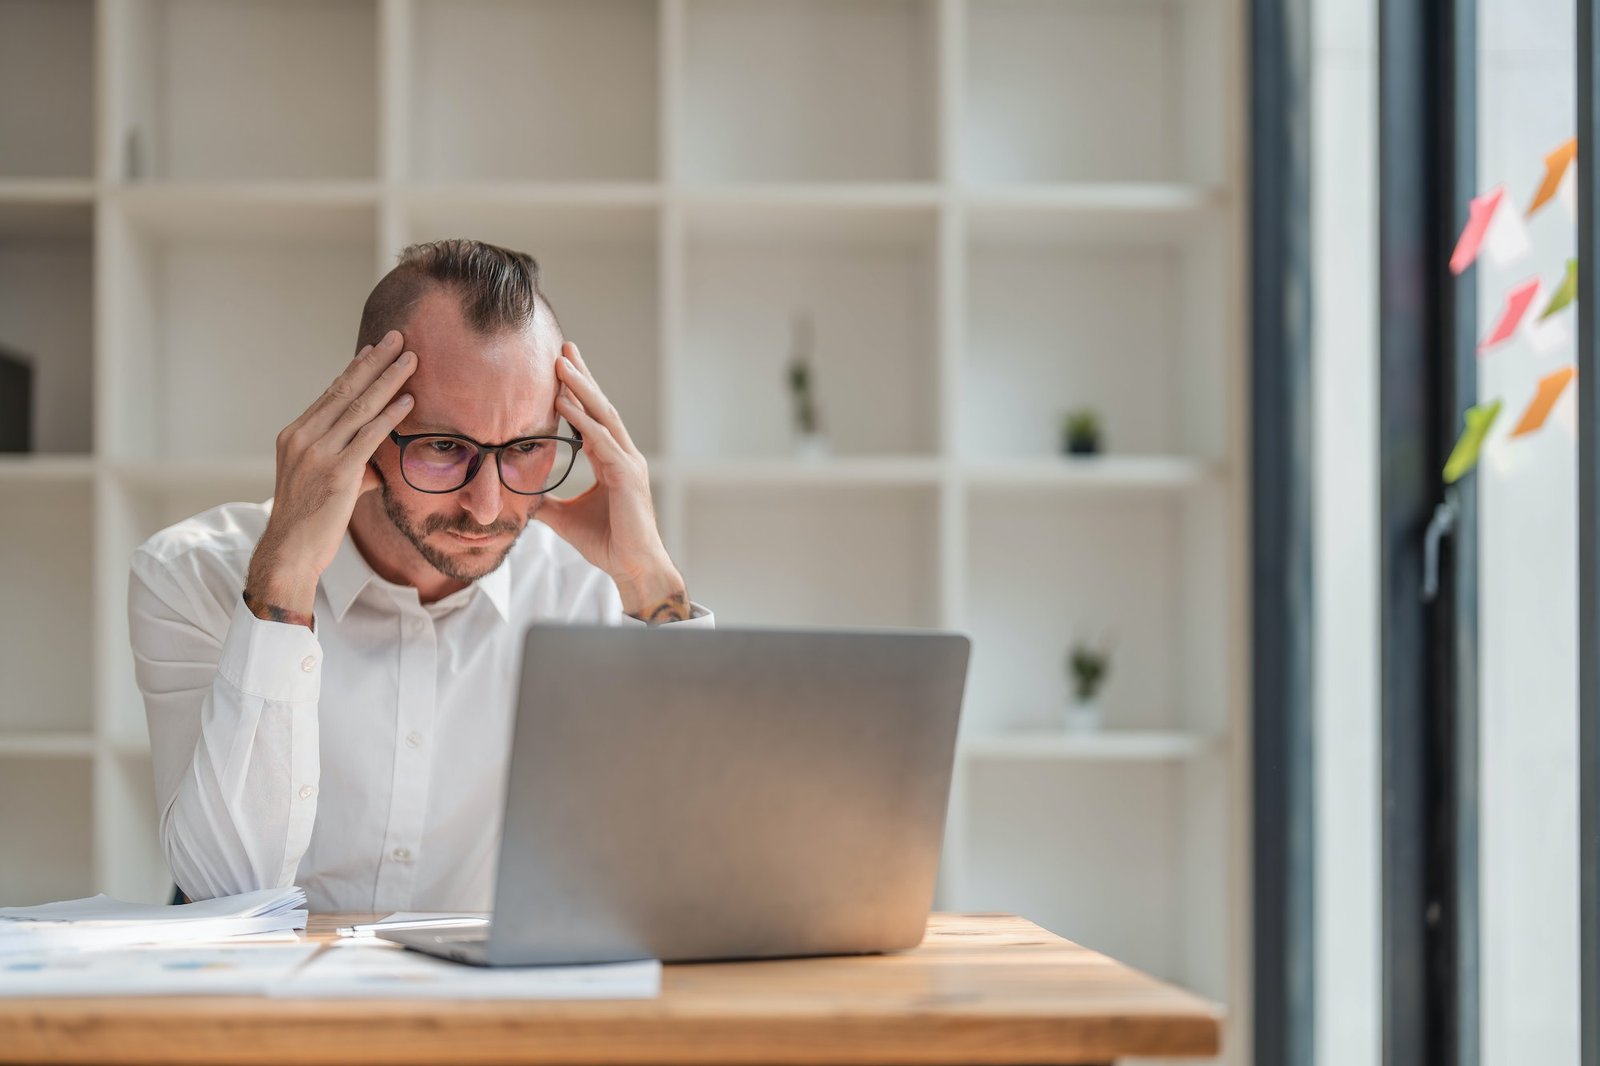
438,331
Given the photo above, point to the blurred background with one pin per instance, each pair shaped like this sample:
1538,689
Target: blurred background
929,313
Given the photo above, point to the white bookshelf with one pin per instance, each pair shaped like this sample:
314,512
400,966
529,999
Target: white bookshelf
992,210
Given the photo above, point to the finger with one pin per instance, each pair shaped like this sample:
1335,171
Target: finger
363,370
593,400
365,407
597,439
370,478
375,432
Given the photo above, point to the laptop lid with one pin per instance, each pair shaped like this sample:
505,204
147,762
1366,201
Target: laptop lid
731,793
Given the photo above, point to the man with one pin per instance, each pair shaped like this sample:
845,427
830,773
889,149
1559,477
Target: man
329,676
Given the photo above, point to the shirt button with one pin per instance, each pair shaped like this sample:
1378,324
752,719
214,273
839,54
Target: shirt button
309,663
414,627
307,792
402,854
413,740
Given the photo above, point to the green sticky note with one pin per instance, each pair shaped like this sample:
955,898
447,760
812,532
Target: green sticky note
1464,456
1566,293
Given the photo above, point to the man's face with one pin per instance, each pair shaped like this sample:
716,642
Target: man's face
492,389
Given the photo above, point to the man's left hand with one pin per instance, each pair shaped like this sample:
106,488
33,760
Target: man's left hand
613,523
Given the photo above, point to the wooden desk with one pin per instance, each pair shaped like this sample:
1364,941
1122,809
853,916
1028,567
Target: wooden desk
982,988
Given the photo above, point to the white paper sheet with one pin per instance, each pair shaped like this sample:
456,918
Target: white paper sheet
377,969
228,970
418,920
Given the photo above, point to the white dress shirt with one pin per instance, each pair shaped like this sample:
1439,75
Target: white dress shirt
363,761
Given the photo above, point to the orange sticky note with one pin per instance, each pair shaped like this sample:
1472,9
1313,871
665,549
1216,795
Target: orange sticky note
1555,168
1551,386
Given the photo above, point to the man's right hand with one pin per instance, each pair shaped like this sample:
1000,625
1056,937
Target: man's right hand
322,471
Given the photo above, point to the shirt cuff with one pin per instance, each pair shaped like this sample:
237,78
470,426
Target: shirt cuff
271,660
699,618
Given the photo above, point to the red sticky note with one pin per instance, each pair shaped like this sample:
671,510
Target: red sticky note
1480,212
1518,300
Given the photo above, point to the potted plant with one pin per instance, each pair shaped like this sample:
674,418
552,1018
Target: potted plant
1088,665
1080,432
809,441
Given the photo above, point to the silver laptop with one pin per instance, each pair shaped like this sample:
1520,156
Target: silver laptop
719,794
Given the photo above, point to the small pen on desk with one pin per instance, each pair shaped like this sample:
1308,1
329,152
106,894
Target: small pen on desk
371,928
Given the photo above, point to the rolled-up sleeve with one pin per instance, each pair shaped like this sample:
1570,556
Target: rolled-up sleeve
231,702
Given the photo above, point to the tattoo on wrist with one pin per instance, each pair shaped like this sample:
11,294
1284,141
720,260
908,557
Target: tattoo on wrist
271,612
675,608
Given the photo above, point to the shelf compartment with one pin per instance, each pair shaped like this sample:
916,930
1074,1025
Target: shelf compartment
130,842
551,90
1134,326
784,556
47,315
809,90
229,323
1139,213
242,89
46,543
47,81
46,830
1031,834
1148,67
887,471
600,268
1108,745
1112,473
867,278
1042,572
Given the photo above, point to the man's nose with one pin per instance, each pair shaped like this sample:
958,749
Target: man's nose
481,497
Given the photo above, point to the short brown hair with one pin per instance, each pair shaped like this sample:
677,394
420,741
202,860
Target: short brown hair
498,288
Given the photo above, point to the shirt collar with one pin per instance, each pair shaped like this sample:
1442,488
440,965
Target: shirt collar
349,574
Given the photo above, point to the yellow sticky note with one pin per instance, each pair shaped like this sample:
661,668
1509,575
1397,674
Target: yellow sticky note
1464,456
1555,168
1551,386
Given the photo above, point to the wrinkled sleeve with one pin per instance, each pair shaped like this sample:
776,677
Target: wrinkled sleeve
231,702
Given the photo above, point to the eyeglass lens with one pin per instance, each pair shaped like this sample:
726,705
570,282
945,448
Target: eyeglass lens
444,464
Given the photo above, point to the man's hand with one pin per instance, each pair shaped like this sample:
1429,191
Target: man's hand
322,472
613,524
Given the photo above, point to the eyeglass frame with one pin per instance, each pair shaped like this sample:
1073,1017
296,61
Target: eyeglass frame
403,440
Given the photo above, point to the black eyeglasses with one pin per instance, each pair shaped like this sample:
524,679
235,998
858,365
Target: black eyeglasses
444,462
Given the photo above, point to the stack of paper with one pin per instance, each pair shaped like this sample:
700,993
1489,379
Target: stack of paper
101,921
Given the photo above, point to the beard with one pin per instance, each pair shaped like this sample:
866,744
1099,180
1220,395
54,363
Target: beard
475,563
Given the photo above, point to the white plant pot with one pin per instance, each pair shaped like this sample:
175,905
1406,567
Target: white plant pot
811,446
1083,716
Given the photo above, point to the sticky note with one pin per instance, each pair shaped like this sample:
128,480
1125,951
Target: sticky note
1492,227
1464,456
1518,300
1557,169
1480,212
1565,293
1551,386
1546,335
